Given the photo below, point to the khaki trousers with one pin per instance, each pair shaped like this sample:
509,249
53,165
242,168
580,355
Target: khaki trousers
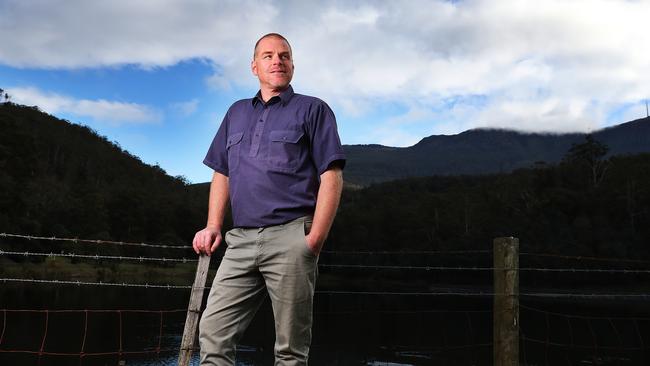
273,260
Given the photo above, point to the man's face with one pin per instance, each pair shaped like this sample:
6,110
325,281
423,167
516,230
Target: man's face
273,64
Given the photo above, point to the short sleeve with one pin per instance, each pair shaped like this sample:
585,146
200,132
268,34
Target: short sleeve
217,156
324,138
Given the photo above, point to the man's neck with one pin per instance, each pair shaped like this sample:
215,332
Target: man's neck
267,94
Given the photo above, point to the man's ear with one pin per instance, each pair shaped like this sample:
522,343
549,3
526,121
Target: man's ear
254,68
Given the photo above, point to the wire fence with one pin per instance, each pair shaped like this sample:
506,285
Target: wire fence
47,337
552,337
336,266
98,257
465,333
94,241
98,283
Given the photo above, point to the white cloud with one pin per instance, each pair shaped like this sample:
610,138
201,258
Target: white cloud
219,82
541,115
552,64
70,34
111,112
186,109
389,136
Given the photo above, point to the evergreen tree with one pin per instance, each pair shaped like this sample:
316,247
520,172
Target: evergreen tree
591,154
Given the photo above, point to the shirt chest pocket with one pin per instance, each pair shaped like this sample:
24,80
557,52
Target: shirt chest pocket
285,151
233,146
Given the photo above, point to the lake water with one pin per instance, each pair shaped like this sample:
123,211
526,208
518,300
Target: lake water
248,356
348,329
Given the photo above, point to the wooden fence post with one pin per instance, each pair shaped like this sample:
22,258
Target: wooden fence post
193,311
506,302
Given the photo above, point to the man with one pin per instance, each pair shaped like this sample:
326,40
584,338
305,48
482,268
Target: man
278,158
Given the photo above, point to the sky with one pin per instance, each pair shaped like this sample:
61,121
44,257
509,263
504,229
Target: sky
157,76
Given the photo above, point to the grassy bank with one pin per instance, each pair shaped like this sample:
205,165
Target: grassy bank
64,269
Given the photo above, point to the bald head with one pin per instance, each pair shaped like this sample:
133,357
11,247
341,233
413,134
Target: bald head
269,35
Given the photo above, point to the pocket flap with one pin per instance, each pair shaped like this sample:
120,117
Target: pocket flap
286,136
234,139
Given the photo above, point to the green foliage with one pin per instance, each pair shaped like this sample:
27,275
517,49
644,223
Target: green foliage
588,152
62,179
552,209
589,156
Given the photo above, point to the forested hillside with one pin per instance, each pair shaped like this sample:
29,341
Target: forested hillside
587,205
63,179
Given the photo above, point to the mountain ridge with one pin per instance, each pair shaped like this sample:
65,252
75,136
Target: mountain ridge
483,151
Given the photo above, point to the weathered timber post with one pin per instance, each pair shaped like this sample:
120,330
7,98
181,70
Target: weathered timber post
506,302
193,311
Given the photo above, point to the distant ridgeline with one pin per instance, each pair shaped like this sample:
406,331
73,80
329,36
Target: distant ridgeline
591,196
482,151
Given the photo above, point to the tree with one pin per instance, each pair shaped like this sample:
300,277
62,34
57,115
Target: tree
591,154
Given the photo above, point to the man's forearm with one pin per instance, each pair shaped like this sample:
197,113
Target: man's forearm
327,202
218,201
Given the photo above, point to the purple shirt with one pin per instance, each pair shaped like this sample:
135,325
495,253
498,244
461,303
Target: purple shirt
274,154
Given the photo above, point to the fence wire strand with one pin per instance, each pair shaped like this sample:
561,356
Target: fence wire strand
93,241
615,335
328,265
584,317
584,258
407,252
90,283
487,269
98,257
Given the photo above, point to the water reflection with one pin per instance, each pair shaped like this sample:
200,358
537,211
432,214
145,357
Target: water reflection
343,335
348,329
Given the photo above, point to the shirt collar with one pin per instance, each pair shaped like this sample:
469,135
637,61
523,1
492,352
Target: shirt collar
284,97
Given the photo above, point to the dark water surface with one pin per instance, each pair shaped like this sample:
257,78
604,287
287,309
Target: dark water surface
349,329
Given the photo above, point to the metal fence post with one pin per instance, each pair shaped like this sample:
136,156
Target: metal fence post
506,302
193,311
